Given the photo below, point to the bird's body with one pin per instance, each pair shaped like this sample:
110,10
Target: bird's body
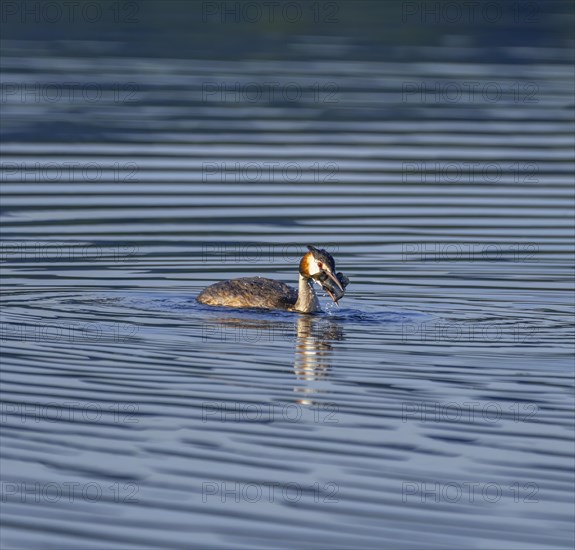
258,292
250,292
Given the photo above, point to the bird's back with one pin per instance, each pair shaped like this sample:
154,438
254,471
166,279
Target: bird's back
249,292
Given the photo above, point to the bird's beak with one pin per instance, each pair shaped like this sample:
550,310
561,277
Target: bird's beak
335,280
331,295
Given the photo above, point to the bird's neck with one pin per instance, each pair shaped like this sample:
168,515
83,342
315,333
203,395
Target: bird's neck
307,301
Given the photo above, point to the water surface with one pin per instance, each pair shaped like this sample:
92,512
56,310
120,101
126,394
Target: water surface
433,409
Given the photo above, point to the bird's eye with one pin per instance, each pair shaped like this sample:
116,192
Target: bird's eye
320,265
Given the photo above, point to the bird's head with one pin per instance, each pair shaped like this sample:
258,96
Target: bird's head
319,265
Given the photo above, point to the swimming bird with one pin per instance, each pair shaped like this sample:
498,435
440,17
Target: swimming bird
257,292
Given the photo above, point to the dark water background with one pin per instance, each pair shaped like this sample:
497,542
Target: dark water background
153,148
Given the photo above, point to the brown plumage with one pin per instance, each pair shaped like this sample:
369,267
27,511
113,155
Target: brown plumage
250,292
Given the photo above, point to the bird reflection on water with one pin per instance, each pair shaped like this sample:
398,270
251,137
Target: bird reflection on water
313,352
314,344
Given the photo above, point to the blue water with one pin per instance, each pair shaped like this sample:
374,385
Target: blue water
432,409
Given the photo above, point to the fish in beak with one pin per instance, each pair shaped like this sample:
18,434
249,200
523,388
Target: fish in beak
335,287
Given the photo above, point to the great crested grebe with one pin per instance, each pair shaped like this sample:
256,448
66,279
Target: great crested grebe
256,292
